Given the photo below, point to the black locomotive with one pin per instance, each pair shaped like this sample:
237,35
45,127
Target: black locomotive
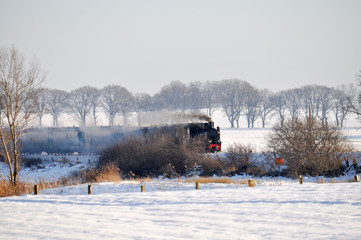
203,133
93,139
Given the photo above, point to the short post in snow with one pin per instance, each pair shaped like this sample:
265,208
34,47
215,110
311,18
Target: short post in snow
300,179
251,183
357,178
36,189
197,185
142,189
90,190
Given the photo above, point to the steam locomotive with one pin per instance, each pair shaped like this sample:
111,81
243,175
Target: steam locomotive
204,132
93,139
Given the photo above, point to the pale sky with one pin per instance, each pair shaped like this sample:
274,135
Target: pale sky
145,44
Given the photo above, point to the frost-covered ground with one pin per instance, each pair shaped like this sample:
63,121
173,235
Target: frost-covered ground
274,209
277,208
257,138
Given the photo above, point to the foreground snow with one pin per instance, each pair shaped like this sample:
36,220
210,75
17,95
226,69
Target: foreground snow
274,209
175,210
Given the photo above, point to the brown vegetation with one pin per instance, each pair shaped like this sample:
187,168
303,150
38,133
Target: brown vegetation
19,89
224,180
162,155
8,189
309,147
154,156
106,173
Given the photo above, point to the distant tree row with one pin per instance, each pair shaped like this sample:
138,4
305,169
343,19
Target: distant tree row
237,98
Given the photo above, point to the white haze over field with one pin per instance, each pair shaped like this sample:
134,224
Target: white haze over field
257,137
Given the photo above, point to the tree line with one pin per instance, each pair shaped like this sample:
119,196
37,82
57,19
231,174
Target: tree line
22,99
237,98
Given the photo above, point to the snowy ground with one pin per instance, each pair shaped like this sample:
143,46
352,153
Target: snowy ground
277,208
257,138
274,209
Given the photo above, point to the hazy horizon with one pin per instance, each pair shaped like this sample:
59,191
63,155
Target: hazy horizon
144,45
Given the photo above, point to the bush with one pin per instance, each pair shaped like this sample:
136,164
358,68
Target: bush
240,159
31,162
309,147
8,189
109,172
153,156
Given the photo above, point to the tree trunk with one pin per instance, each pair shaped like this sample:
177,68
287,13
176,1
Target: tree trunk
95,119
111,120
125,119
83,123
139,120
232,122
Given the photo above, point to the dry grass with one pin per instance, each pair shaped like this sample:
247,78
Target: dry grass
7,189
213,180
333,180
203,180
321,180
108,173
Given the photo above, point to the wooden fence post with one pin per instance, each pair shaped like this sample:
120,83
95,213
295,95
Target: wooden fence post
300,179
251,183
357,178
90,189
142,188
197,185
36,189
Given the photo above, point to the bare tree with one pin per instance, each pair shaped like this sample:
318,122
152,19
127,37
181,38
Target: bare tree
143,103
293,102
172,96
310,100
116,100
279,105
28,107
95,102
265,105
309,147
325,100
354,105
252,99
194,96
209,90
80,102
19,85
342,96
42,105
231,97
58,103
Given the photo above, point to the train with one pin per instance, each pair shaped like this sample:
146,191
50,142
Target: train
86,140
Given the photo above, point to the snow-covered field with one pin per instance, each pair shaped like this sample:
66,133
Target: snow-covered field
274,209
277,208
257,138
